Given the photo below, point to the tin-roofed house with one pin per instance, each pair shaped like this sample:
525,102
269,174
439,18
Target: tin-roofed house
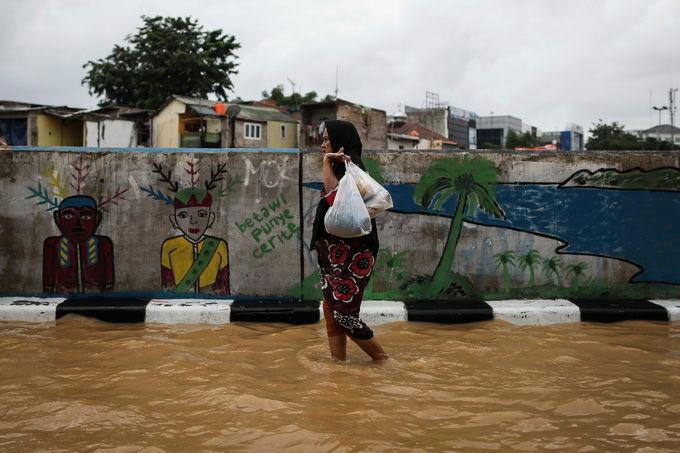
184,122
26,124
116,127
406,135
261,127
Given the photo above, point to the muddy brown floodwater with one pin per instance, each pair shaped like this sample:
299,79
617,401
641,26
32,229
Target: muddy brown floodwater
84,385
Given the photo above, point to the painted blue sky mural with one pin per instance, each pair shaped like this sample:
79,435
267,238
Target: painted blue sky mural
633,225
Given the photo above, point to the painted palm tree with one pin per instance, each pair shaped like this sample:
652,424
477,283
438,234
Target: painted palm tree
576,271
551,266
504,260
472,181
529,261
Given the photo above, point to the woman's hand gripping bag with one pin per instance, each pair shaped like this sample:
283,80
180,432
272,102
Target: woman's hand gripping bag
376,198
348,217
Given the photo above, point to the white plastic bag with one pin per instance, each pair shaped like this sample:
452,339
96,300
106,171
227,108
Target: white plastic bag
348,217
375,196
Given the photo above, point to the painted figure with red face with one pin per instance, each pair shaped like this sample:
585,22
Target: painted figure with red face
79,260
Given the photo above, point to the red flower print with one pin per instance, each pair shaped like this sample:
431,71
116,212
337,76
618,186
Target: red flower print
362,264
344,289
338,253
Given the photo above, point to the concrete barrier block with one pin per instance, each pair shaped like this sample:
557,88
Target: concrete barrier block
29,309
176,311
672,306
535,312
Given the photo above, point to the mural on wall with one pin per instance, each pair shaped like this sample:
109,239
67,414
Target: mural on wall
193,262
78,260
628,216
270,227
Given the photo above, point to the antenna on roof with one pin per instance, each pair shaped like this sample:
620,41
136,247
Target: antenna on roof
292,85
336,82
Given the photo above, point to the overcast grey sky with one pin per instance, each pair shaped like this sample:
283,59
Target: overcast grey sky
547,62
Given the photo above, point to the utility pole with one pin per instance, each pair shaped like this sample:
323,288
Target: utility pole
658,131
671,108
292,85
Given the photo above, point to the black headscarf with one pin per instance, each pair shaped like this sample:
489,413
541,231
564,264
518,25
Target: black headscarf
342,134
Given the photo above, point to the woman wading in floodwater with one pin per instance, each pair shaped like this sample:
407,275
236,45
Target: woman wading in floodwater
345,264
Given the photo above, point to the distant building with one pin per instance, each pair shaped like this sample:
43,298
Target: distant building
261,127
405,135
463,127
569,139
402,142
435,119
493,130
116,127
43,125
26,124
184,122
661,133
370,123
201,123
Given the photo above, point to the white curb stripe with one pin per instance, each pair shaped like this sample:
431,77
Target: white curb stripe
373,312
377,312
672,306
535,312
29,309
199,311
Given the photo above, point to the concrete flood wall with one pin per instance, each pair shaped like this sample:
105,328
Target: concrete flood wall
535,225
253,201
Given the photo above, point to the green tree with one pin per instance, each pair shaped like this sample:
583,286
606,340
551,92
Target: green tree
294,100
576,271
489,145
612,137
167,55
472,181
530,261
504,260
551,266
514,140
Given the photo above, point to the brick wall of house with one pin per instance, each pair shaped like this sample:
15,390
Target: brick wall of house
370,123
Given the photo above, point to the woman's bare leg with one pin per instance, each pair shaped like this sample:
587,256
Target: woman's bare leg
372,348
338,346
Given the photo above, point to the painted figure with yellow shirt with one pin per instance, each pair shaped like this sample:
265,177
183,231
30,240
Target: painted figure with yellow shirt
194,262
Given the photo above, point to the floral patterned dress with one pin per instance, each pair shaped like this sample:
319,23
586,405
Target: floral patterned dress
346,266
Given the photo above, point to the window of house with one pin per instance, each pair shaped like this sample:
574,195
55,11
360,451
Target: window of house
283,131
252,130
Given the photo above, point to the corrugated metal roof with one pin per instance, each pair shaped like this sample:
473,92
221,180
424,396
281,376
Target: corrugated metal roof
203,110
338,101
404,137
62,111
247,112
662,129
195,101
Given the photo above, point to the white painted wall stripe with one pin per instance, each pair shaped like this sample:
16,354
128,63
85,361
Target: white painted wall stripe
672,306
535,312
190,311
29,309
